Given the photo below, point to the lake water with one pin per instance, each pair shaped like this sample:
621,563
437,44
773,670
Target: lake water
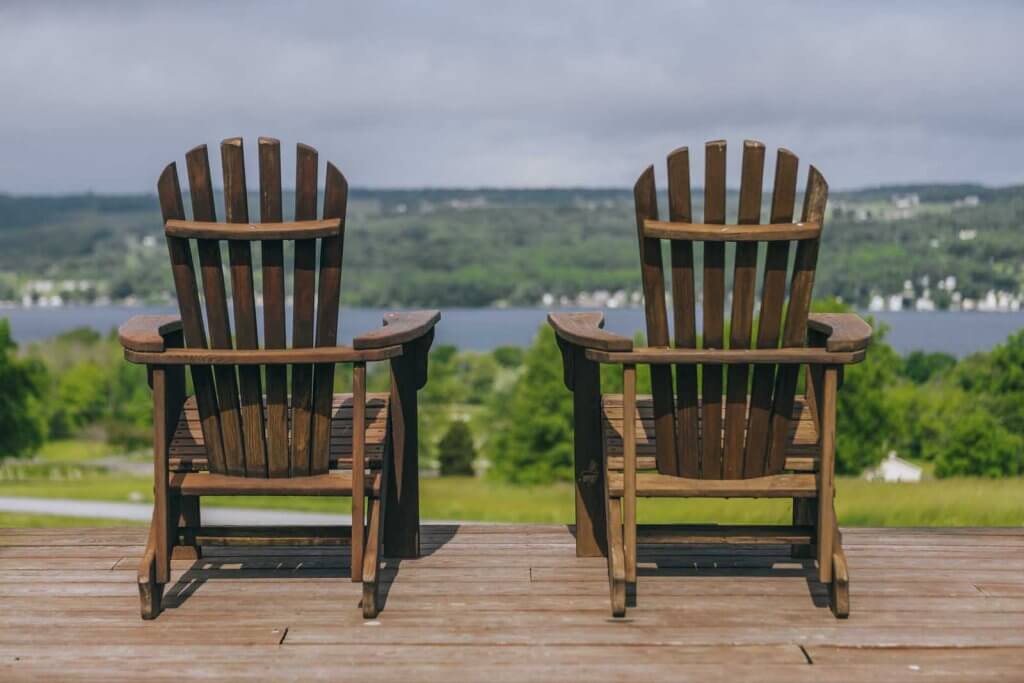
482,329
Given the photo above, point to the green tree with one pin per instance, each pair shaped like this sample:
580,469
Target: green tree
533,443
977,444
921,366
22,414
455,450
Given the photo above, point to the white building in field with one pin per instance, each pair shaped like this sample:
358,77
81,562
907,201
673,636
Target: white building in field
894,469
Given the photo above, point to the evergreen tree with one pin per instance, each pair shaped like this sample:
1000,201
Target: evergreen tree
455,450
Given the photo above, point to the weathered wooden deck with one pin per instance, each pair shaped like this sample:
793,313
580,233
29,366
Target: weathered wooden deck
512,603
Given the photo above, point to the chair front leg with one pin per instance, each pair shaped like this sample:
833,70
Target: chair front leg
826,474
629,469
358,467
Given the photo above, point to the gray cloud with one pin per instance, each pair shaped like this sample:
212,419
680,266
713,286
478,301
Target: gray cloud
535,94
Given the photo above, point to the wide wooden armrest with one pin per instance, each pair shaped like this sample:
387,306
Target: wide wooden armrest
673,356
399,328
584,329
147,332
319,354
843,331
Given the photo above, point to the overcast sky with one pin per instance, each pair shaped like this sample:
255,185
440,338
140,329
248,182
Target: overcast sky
490,94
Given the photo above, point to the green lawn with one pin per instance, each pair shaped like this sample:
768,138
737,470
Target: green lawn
23,521
71,451
946,502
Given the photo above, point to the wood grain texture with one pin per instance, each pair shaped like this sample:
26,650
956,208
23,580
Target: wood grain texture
400,327
584,329
303,294
684,308
704,232
244,231
713,309
842,331
328,302
243,357
184,275
274,327
511,603
794,356
773,298
794,332
645,200
742,316
243,299
148,332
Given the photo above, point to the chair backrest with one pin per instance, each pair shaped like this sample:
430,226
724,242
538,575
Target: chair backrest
689,434
241,439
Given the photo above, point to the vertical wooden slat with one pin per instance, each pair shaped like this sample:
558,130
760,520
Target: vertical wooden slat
629,468
243,298
826,475
303,293
645,200
274,330
795,331
742,317
773,297
331,248
713,310
685,316
201,191
183,271
358,467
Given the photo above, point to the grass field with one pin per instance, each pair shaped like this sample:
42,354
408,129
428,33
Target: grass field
947,502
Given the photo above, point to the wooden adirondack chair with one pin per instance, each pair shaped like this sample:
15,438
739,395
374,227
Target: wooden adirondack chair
230,439
741,430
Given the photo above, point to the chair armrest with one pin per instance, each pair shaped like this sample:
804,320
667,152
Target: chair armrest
842,331
303,355
675,356
148,333
584,329
399,328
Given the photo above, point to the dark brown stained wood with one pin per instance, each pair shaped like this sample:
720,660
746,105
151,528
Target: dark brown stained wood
684,300
251,232
703,232
656,485
661,356
795,331
274,327
645,200
716,533
742,317
827,532
400,327
184,274
773,297
842,331
629,470
187,452
584,329
148,332
358,466
243,297
591,520
201,191
303,293
331,250
326,354
713,309
338,483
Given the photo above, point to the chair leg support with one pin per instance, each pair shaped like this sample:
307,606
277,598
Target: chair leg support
616,558
150,592
371,562
839,589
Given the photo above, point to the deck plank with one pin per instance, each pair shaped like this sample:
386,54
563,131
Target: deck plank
512,602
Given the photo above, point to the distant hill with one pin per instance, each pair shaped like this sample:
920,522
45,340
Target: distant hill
475,247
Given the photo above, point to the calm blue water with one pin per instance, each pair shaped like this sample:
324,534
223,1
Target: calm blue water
483,329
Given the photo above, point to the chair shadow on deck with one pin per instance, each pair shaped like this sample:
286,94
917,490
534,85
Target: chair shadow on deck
741,562
286,562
